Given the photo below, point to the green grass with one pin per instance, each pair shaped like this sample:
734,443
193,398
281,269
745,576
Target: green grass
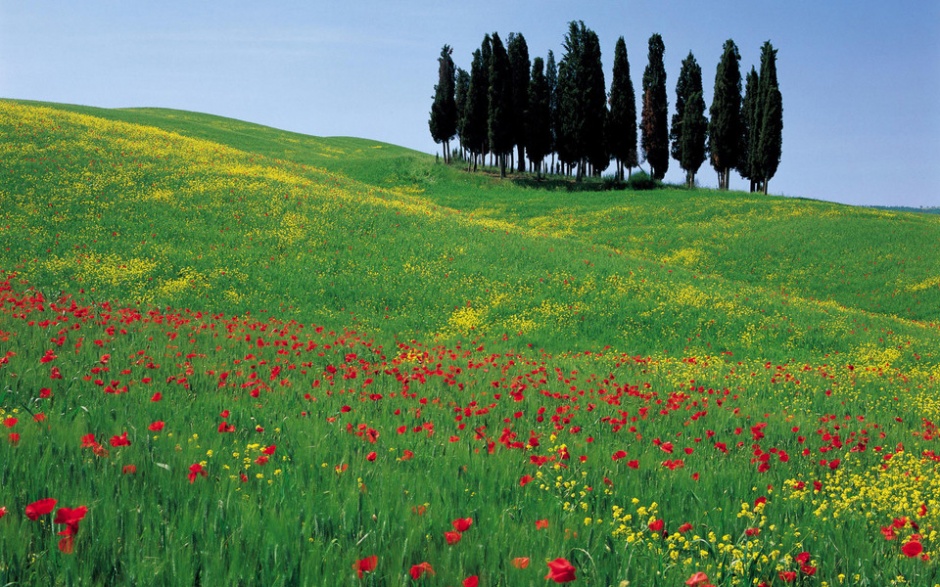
318,273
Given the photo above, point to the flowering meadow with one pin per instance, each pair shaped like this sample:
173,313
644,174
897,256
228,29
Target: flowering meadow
231,355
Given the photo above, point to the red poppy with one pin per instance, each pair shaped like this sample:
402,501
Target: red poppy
697,578
521,562
657,525
462,524
88,441
195,470
525,480
633,464
156,397
541,524
120,440
418,570
752,532
684,528
45,393
560,571
14,437
40,508
620,454
787,576
3,511
365,565
70,517
10,422
452,537
407,455
472,581
912,548
156,426
129,469
371,456
269,450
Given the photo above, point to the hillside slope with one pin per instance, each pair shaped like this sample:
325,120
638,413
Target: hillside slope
165,207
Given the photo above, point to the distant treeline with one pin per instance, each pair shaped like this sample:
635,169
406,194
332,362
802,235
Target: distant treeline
512,109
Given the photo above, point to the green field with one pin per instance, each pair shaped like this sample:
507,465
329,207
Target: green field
358,346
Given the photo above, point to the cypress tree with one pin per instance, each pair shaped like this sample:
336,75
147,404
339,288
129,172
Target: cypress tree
594,96
694,136
461,97
569,115
500,111
519,66
443,119
750,130
538,116
654,125
551,79
689,86
486,50
622,127
477,109
769,145
725,125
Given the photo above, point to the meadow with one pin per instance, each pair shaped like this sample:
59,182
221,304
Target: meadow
237,355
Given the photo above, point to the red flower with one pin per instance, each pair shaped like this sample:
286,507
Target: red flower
88,441
560,571
541,524
472,581
129,469
462,524
787,576
10,422
156,426
521,562
912,548
633,464
365,565
120,440
525,480
14,437
418,570
620,454
697,578
40,508
269,450
452,537
195,470
752,532
657,525
70,517
3,511
156,397
684,528
371,456
407,455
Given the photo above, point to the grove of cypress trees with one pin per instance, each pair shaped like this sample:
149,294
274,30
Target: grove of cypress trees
500,99
519,66
443,119
538,117
622,127
769,145
724,127
654,123
688,142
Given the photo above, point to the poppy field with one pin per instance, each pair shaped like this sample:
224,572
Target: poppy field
232,355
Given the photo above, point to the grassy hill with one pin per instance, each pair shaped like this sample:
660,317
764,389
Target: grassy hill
447,336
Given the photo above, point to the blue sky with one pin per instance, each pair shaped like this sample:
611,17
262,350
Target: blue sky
860,80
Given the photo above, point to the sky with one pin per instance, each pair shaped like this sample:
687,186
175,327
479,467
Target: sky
860,80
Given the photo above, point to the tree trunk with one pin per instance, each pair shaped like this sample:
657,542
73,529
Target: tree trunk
521,151
502,164
766,181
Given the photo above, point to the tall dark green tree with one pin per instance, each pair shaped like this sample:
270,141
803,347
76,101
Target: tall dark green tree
486,51
519,65
750,114
694,137
551,78
443,119
654,124
569,116
500,112
622,126
538,117
770,142
596,150
689,138
724,126
582,101
476,111
461,97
